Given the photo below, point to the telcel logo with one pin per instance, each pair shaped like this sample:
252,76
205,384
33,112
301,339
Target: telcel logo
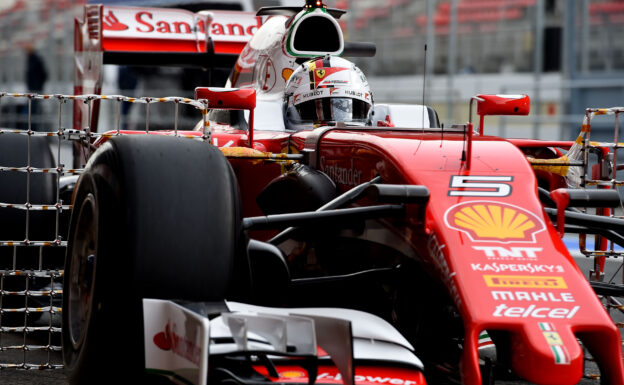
525,281
533,311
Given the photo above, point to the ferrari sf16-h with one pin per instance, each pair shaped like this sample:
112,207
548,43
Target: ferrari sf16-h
302,233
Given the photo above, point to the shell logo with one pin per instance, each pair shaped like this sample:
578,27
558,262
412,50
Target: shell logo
286,72
292,374
488,221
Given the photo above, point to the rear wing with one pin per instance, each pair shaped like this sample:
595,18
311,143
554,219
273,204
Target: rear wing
155,37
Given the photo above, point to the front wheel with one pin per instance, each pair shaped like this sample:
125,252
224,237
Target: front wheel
154,217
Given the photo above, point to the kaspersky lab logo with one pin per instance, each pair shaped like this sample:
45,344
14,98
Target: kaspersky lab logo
489,221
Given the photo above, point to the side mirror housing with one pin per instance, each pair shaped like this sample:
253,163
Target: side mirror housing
494,105
227,98
503,104
230,99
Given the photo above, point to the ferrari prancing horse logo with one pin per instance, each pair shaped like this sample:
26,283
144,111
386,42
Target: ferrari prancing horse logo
320,73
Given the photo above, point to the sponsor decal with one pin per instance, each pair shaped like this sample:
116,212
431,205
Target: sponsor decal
147,24
534,311
297,81
292,374
179,345
176,340
111,23
437,252
349,176
560,352
363,375
246,60
479,186
355,94
533,296
327,91
323,76
495,252
311,94
515,267
286,73
488,221
526,281
323,377
232,30
267,82
176,24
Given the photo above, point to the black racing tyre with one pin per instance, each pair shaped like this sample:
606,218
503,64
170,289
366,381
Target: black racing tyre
41,224
153,217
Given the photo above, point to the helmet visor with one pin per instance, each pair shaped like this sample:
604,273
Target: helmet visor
329,110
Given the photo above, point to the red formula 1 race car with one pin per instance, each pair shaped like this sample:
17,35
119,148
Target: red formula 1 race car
310,237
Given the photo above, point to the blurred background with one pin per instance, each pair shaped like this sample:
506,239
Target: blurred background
563,53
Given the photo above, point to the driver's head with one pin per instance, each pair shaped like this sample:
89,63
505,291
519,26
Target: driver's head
326,90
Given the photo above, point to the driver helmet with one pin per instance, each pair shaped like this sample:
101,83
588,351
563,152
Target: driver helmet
325,91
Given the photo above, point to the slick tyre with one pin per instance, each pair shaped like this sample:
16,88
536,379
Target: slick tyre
153,217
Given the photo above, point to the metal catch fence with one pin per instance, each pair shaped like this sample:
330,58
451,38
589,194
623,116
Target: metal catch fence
35,197
600,170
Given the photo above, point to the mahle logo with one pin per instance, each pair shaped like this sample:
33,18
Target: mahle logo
525,281
486,221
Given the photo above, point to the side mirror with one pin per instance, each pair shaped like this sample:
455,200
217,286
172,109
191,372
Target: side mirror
494,105
227,98
230,99
503,104
499,105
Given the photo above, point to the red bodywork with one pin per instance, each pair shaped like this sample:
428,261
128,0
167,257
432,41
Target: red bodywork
485,234
500,257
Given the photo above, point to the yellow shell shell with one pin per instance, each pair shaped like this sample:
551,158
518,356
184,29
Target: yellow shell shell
292,374
493,221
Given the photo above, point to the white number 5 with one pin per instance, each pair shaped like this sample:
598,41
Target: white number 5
480,186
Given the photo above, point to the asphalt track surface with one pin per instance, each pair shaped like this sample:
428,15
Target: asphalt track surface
58,376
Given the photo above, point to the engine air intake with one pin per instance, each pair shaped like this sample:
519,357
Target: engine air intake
315,33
